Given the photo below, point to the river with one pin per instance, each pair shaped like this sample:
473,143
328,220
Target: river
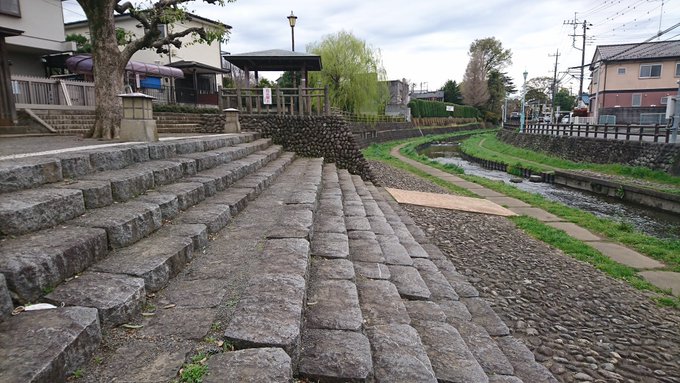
647,220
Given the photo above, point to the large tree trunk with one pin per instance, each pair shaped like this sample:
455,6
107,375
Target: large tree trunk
108,70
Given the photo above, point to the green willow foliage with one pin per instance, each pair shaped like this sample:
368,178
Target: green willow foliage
353,72
423,108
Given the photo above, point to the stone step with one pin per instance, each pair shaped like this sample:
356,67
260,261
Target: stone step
267,364
335,356
6,305
31,210
26,173
37,262
47,345
399,355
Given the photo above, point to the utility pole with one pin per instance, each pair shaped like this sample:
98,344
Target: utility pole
676,118
585,25
554,87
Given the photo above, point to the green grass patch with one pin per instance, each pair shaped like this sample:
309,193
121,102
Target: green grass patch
488,147
581,251
194,371
664,250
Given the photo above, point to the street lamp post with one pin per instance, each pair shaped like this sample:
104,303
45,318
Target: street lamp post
291,20
524,93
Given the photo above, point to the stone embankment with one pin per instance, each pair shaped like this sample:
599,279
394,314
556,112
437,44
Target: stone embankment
229,257
581,324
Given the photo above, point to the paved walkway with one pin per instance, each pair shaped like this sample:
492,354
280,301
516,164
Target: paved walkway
649,267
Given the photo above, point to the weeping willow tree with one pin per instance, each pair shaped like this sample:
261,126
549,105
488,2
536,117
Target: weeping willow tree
353,72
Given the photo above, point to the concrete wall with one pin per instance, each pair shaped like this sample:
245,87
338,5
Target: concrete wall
658,156
313,136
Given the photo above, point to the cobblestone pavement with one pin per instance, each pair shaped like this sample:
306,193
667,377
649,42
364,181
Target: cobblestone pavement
580,323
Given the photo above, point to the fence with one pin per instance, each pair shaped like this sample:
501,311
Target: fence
35,92
284,101
651,133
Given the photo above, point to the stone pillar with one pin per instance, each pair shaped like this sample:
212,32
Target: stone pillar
231,122
138,123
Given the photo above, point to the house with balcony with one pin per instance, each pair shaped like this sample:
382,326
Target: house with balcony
31,37
631,83
201,63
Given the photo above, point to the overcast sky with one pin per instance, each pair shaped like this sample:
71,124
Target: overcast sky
427,41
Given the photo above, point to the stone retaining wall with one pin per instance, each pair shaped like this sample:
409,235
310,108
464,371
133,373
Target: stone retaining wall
367,134
658,156
312,136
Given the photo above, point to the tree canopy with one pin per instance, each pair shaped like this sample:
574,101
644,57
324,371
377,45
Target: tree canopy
452,92
493,54
564,100
353,72
109,60
475,88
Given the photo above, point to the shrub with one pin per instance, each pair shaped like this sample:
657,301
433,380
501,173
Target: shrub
423,108
178,108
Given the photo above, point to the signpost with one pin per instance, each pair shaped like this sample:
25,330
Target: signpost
449,108
267,96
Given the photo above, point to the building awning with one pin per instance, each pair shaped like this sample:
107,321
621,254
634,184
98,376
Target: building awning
83,64
275,60
200,68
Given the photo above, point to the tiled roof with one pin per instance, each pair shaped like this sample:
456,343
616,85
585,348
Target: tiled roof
651,50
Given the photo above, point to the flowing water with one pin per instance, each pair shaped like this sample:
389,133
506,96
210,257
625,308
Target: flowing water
647,220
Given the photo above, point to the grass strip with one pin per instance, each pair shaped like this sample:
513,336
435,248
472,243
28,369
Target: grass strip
581,251
489,147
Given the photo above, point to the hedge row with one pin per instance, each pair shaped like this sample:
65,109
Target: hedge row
179,108
423,108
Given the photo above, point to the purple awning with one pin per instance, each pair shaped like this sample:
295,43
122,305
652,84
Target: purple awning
83,64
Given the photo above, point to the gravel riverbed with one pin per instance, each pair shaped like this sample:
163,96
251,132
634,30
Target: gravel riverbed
580,323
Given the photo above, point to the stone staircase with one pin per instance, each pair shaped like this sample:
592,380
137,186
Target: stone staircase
95,231
321,277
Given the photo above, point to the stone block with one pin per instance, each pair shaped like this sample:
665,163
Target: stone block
103,159
96,194
448,353
31,210
424,311
155,259
164,172
399,355
380,303
142,361
125,223
198,233
365,250
523,361
357,223
74,164
269,313
285,256
333,305
483,315
126,184
435,281
188,193
236,199
483,347
117,298
324,269
63,338
37,262
182,323
371,270
210,184
330,245
168,203
193,293
26,173
252,365
214,216
393,251
138,130
328,355
409,283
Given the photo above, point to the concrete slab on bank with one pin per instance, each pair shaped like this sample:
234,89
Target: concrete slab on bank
575,231
626,256
664,279
447,201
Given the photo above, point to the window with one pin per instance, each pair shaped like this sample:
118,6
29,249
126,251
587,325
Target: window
677,69
607,119
650,70
664,100
10,7
637,99
621,71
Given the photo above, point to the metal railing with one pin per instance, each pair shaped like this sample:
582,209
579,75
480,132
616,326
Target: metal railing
284,101
649,133
36,92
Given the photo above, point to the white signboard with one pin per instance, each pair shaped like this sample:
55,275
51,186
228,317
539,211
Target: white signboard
267,96
15,87
449,108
